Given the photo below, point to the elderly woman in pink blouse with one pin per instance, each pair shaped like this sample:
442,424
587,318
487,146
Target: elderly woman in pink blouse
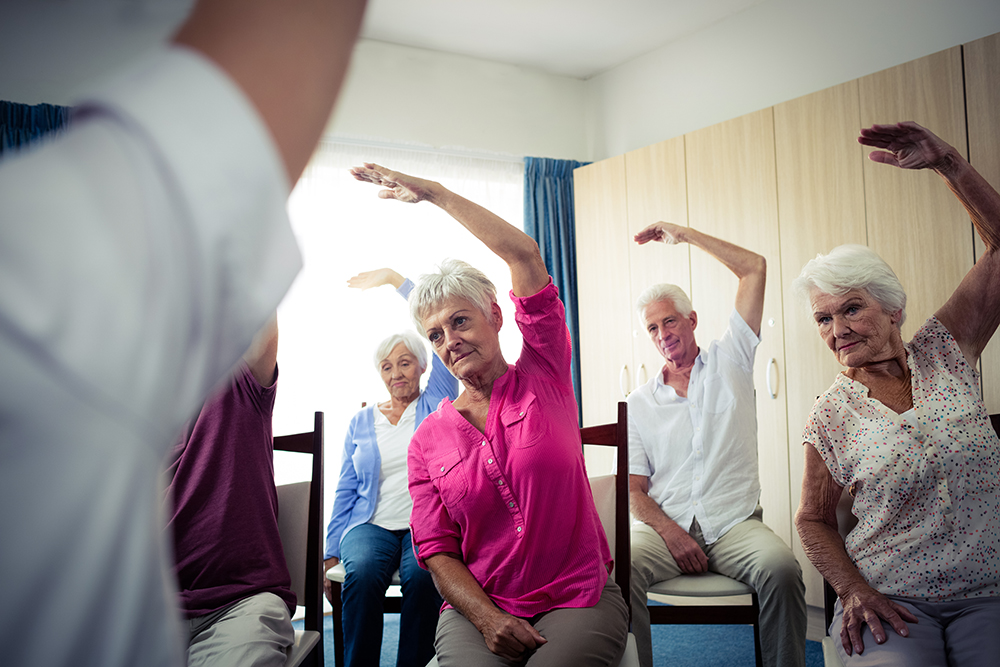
905,429
502,512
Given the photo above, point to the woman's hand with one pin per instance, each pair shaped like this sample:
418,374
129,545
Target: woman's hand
399,186
864,605
510,637
907,146
377,278
327,584
665,232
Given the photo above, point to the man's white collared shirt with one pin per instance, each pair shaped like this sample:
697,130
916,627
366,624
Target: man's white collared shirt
700,451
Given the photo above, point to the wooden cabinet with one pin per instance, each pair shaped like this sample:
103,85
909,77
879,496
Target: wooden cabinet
821,204
732,196
982,99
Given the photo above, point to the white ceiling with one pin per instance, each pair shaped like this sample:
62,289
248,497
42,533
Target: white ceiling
578,38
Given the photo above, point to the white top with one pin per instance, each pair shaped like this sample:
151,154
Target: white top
392,509
700,452
139,253
926,481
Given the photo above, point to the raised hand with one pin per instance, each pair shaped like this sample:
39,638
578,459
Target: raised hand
377,278
864,605
398,186
907,146
665,232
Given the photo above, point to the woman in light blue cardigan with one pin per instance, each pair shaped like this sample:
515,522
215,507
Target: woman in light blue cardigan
369,528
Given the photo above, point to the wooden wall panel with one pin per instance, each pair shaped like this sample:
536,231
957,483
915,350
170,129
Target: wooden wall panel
657,191
821,204
732,194
982,90
914,222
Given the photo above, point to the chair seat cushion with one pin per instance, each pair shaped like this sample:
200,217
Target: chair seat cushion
305,640
709,584
338,572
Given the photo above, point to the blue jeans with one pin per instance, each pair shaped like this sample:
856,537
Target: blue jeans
370,555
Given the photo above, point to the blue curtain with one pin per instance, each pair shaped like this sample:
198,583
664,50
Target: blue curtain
21,124
549,219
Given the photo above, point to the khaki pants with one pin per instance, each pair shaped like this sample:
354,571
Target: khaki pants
749,552
576,637
254,632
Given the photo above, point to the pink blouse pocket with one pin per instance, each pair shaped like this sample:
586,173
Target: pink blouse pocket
448,477
523,422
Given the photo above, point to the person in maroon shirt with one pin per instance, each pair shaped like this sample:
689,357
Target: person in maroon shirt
223,512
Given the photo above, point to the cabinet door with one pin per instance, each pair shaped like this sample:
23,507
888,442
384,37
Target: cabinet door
603,285
657,191
821,204
732,195
914,222
982,99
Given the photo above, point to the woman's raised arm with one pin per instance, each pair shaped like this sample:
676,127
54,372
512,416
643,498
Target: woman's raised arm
972,313
520,252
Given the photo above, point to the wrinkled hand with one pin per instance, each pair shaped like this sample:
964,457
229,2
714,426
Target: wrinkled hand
378,277
399,186
665,232
686,552
510,637
907,146
865,605
327,584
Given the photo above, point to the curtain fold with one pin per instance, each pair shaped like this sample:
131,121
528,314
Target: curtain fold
549,219
20,124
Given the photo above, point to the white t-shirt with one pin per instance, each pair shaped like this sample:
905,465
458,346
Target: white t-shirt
139,253
700,451
392,509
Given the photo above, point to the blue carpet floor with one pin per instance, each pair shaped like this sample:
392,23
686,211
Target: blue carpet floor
674,645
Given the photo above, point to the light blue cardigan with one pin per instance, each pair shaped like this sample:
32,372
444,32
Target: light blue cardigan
357,487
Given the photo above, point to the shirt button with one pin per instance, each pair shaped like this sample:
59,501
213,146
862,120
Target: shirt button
489,460
510,504
482,443
520,415
519,529
500,482
442,468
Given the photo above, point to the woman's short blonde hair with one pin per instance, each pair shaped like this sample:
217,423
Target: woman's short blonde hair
413,342
454,279
849,267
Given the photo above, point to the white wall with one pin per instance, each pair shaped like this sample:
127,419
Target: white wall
770,53
406,95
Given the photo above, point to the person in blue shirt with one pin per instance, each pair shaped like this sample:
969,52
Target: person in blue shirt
369,528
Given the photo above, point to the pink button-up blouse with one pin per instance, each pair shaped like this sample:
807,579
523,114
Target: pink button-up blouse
515,502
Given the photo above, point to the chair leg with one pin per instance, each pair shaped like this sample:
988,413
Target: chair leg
338,627
756,632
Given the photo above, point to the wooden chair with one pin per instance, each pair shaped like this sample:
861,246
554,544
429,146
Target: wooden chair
611,498
300,523
391,604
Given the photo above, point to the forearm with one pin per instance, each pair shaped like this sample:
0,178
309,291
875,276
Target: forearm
825,549
460,589
646,510
980,199
288,57
744,263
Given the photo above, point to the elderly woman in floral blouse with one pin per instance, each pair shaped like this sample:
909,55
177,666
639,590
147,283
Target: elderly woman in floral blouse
905,429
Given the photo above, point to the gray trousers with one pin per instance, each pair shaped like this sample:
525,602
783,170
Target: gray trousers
254,632
750,552
576,637
962,633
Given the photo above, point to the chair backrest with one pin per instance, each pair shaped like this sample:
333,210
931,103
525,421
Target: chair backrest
612,499
300,523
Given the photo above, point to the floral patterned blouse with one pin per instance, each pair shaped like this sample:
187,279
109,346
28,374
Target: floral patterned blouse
925,481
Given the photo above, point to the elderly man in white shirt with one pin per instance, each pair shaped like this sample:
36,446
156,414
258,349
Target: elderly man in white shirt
693,481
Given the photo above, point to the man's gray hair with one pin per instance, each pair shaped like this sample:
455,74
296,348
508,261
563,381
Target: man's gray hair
454,279
849,267
413,342
663,292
